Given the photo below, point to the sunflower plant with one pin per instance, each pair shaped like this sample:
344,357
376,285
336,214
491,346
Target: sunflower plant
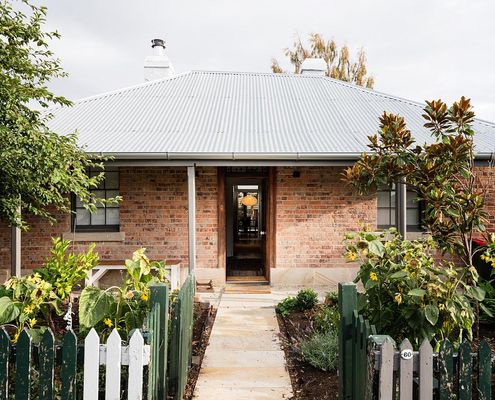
124,307
407,292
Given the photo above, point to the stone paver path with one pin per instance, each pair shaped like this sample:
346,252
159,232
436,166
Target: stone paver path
244,359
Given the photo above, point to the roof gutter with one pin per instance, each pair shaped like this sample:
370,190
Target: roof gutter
231,156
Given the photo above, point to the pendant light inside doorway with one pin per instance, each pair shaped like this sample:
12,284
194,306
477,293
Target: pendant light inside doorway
249,200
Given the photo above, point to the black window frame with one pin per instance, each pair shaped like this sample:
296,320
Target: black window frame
419,206
96,227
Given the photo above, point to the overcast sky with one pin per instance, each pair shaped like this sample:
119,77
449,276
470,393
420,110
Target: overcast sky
417,49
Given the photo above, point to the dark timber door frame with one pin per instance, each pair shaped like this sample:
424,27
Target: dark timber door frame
269,209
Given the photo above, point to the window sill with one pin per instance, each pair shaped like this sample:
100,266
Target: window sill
94,236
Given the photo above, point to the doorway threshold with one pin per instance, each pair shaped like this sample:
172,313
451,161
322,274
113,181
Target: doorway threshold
247,280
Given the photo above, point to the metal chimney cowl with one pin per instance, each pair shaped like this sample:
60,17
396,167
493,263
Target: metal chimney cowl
314,66
157,65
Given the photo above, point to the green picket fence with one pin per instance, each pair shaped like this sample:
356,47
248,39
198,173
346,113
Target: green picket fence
371,366
30,370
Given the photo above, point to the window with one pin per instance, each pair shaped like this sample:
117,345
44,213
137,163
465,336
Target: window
106,218
386,209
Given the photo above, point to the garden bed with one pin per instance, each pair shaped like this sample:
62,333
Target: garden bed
204,316
308,382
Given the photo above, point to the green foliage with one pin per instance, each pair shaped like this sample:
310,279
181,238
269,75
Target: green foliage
326,319
409,294
122,307
442,174
332,299
64,270
306,299
39,168
286,306
487,306
338,61
32,300
322,350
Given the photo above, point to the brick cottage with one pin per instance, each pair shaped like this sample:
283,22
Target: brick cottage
237,175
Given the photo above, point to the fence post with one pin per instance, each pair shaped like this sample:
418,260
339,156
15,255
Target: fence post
347,305
159,295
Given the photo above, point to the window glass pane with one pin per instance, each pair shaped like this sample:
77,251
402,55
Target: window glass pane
392,217
383,199
411,200
412,216
383,216
79,203
98,217
112,194
82,217
113,216
100,194
392,199
111,180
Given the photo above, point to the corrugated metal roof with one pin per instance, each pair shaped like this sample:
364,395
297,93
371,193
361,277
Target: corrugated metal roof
241,115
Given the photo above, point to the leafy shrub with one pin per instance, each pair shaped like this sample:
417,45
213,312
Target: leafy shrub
409,294
286,306
487,306
321,350
122,307
326,319
306,299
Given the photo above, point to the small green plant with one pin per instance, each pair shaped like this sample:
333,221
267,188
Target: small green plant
286,306
326,319
332,299
487,306
321,350
306,299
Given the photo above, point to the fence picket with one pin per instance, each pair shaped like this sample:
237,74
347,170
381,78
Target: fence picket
23,367
465,371
355,368
154,330
69,366
406,372
347,304
135,382
485,371
160,297
4,363
114,361
386,386
446,370
91,365
425,371
47,365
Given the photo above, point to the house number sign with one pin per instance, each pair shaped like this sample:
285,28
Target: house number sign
406,354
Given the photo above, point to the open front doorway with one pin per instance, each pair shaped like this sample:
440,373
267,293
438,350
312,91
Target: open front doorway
245,226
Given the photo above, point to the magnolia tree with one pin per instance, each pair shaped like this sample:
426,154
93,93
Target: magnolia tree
434,295
442,174
38,167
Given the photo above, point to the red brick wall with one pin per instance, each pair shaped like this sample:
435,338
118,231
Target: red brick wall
487,177
313,213
153,214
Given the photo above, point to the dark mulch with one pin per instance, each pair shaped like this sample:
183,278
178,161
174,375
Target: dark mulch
308,383
204,316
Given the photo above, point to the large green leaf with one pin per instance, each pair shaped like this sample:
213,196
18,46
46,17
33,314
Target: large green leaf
398,275
8,310
376,247
431,313
94,304
417,292
476,293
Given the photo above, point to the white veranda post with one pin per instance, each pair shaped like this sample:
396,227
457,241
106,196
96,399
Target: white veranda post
191,196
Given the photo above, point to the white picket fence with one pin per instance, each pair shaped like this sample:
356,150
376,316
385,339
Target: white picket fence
113,355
